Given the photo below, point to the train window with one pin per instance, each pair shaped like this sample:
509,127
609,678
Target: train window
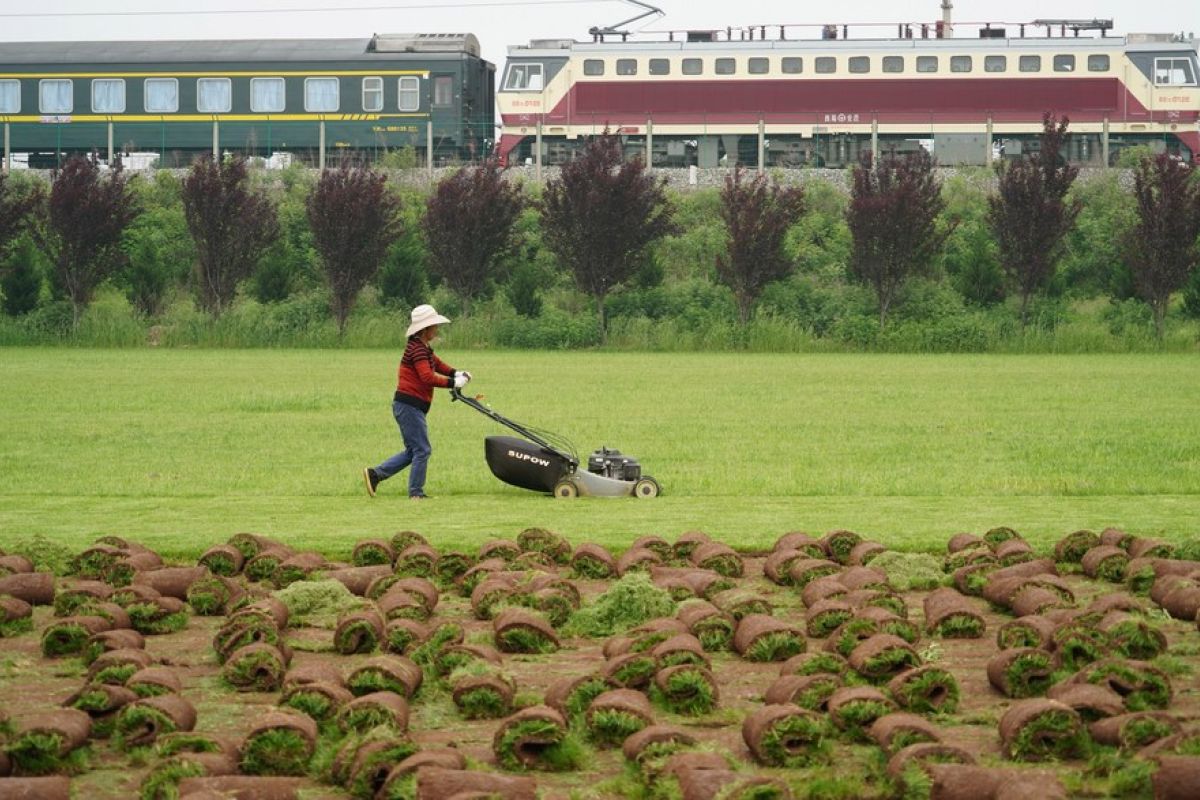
859,64
321,94
1097,63
893,63
1031,64
1064,63
524,78
10,97
593,66
725,66
758,66
443,90
660,66
56,97
693,66
410,93
960,63
214,95
108,96
627,66
161,95
372,94
825,64
266,95
995,63
1173,72
927,63
793,65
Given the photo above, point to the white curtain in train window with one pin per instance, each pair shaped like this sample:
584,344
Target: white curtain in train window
108,96
320,94
56,97
214,95
10,97
410,94
372,90
162,95
266,95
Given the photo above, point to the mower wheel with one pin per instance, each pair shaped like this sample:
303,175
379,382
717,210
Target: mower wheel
566,489
646,487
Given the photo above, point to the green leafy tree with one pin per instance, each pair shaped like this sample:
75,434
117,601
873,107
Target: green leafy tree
969,256
402,280
21,280
16,205
160,257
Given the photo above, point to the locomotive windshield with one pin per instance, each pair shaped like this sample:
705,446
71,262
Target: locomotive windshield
1174,72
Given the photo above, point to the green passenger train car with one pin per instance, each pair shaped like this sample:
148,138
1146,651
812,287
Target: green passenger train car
254,97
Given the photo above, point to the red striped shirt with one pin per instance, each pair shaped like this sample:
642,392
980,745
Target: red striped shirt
420,373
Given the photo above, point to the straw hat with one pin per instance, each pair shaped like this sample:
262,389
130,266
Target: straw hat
423,316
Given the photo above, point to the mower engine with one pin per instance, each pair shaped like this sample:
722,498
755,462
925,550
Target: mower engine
611,464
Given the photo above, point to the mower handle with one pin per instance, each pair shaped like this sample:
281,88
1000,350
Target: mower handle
496,416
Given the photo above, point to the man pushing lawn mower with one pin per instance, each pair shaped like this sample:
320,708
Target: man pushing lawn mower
420,373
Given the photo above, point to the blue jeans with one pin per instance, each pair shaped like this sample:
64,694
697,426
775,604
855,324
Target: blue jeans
416,448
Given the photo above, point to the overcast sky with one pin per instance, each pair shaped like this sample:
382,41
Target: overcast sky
498,23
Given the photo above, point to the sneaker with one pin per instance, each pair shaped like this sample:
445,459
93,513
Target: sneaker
418,497
371,479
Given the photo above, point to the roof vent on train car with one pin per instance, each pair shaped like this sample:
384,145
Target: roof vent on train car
424,43
551,44
988,32
1148,38
701,36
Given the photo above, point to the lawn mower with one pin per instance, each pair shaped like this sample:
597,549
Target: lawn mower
545,462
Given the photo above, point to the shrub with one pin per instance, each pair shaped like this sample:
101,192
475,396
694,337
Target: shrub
21,280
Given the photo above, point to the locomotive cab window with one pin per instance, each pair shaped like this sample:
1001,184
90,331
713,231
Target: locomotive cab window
372,94
859,64
1064,63
56,97
1097,63
758,66
893,63
108,96
214,95
593,66
1174,72
825,64
793,65
410,93
10,97
524,78
995,63
161,95
726,66
927,63
660,66
627,66
960,63
266,95
1031,64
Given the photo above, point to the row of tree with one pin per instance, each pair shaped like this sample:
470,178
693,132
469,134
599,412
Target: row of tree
600,217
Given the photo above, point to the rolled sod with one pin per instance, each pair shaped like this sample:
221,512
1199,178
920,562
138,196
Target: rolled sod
572,695
48,788
785,735
450,565
16,617
1135,730
68,636
961,541
251,544
1013,551
69,598
258,667
372,710
890,622
533,738
724,784
241,631
971,579
118,666
740,604
373,552
171,581
386,673
371,762
712,626
39,743
593,561
540,540
1021,671
261,566
159,616
358,632
321,701
403,539
141,723
1032,598
555,603
453,656
804,571
979,557
35,588
1076,643
358,580
617,714
1030,631
883,656
645,637
436,783
864,553
1072,547
1140,547
125,596
720,558
299,674
100,699
421,588
839,544
1176,777
1143,685
762,638
824,616
682,648
630,671
1090,701
898,730
970,782
1105,562
687,689
1168,582
814,663
162,782
518,630
422,560
482,696
401,636
854,709
151,681
297,567
223,559
778,564
862,599
214,595
656,742
280,743
637,559
505,549
925,690
490,594
399,604
807,691
951,615
117,617
825,587
1036,730
924,754
849,634
1183,601
1132,636
799,540
242,787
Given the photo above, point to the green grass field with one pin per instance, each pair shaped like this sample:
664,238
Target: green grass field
180,449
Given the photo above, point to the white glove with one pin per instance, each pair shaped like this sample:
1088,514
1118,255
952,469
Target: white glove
460,380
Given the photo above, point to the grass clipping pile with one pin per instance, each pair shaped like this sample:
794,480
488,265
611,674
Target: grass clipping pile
681,670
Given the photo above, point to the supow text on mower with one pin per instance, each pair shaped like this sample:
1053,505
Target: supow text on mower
541,462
